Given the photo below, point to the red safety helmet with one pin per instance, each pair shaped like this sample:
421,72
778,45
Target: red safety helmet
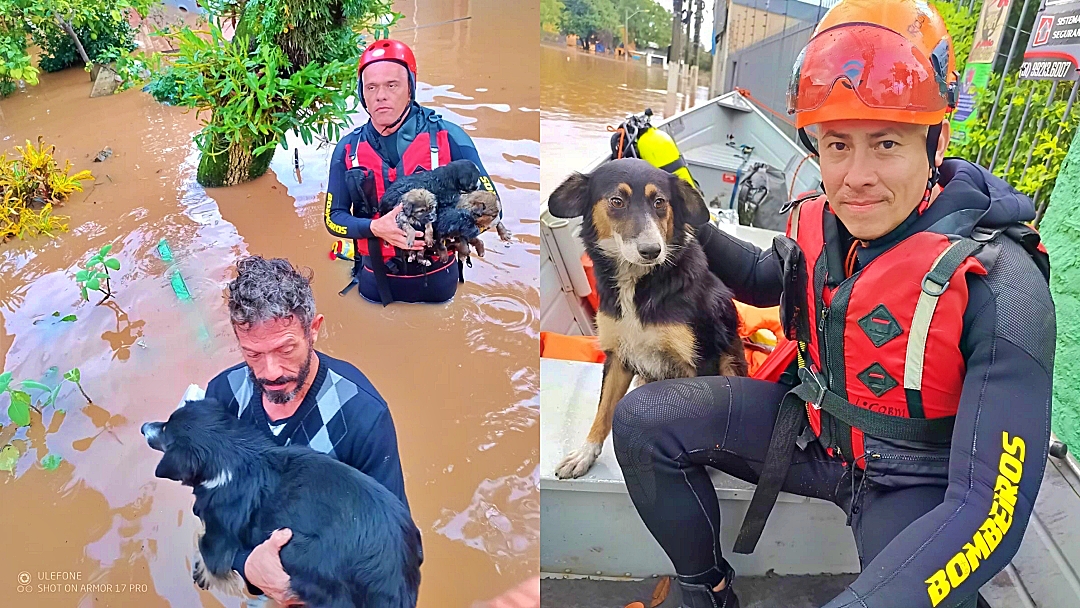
386,50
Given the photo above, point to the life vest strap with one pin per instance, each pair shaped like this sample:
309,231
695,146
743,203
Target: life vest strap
929,430
934,285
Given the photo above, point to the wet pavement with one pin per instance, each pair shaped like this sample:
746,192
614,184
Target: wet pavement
466,422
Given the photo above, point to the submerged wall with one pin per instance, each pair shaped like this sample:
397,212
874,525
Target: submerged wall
1060,229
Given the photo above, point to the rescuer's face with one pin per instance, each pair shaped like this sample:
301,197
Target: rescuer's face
875,172
386,91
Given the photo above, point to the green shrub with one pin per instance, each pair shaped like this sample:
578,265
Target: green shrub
100,38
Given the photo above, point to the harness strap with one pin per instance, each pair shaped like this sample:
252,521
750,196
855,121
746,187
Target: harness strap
795,221
378,267
433,143
789,423
930,430
933,285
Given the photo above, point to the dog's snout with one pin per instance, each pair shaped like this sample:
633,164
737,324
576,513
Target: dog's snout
152,432
649,251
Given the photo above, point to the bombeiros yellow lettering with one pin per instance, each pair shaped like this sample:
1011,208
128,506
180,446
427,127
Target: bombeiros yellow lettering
989,535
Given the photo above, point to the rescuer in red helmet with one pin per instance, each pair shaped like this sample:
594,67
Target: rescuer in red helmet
400,138
914,389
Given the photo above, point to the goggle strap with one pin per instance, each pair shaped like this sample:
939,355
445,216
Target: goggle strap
807,143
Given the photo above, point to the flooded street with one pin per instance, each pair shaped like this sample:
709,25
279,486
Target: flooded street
467,427
581,95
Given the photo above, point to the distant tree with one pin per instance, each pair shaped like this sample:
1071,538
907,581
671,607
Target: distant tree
649,22
587,17
551,12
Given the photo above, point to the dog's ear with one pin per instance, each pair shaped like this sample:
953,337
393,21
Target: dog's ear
696,213
571,198
179,464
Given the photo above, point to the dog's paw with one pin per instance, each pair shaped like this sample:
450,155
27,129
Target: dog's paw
579,461
199,574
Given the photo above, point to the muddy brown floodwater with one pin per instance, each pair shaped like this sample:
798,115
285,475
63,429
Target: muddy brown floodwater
467,426
581,95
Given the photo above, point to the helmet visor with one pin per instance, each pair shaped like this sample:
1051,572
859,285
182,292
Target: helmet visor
883,68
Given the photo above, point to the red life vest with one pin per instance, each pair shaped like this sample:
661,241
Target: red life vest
421,154
870,334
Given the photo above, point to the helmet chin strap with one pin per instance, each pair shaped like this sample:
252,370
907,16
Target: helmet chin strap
932,136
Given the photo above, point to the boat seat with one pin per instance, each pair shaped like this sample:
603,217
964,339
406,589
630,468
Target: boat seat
590,526
714,156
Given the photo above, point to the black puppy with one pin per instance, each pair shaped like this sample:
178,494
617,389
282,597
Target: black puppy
662,314
353,543
446,183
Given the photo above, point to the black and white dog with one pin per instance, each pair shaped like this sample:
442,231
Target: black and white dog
353,544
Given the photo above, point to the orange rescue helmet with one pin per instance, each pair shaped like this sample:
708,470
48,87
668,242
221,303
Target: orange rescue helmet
892,59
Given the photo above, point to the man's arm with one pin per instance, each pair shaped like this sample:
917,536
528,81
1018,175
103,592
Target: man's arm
997,456
756,277
337,213
374,451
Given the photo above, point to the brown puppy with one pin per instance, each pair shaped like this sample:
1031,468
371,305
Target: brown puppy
662,314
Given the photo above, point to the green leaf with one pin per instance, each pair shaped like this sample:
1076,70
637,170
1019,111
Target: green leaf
74,375
9,456
56,313
19,410
105,249
93,261
68,319
82,276
5,380
94,284
51,461
113,263
33,385
85,295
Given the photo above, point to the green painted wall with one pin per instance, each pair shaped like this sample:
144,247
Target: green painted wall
1060,229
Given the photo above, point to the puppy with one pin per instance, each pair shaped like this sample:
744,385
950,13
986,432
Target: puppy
474,212
662,314
417,213
353,541
446,183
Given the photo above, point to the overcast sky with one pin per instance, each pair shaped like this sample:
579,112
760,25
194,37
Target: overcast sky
707,22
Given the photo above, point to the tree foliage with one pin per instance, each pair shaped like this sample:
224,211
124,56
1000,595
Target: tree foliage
587,17
649,22
551,12
290,67
22,18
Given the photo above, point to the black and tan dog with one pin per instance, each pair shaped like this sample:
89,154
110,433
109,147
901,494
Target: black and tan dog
662,314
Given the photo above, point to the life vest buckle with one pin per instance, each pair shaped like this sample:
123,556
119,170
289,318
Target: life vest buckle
812,381
936,289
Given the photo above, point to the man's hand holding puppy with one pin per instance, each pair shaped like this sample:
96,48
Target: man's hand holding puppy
386,228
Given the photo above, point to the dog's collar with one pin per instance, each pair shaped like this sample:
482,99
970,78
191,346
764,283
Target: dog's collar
222,478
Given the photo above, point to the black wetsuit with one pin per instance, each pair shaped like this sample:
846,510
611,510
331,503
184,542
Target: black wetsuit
915,517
